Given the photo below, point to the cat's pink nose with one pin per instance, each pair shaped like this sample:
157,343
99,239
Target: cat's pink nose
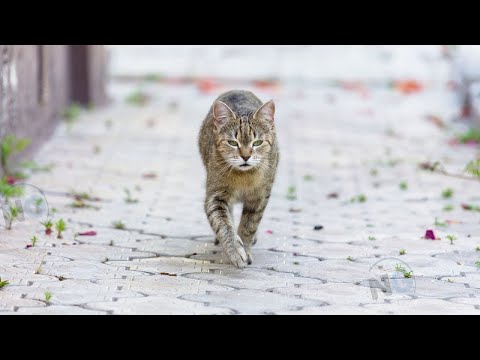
246,158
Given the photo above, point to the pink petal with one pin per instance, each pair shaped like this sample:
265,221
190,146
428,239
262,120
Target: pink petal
269,232
430,235
88,233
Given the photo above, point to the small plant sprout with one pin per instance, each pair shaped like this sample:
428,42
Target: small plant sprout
119,225
470,136
402,252
292,193
38,205
448,208
71,114
349,258
473,168
373,172
10,214
403,185
440,223
48,227
477,248
111,243
372,238
48,296
407,274
9,146
447,193
39,268
308,177
8,191
477,264
129,199
137,98
3,283
296,263
34,240
451,238
60,226
359,198
34,167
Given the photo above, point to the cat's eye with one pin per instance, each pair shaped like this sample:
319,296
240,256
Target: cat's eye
232,143
258,143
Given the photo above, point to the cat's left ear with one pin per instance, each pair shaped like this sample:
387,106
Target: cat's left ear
267,112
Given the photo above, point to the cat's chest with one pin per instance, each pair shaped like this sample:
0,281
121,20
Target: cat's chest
246,187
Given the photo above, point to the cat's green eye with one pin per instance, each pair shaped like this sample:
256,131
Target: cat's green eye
258,143
232,143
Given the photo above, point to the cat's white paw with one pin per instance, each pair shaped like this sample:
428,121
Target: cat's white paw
235,252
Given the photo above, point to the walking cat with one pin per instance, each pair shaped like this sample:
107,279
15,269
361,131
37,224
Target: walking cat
239,149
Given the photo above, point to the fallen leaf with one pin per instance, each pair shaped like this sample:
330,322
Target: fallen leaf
28,246
332,195
295,210
469,207
318,227
269,232
453,222
408,87
167,274
430,235
437,121
150,176
87,233
207,86
10,180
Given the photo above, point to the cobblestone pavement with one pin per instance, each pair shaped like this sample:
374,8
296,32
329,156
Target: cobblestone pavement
336,144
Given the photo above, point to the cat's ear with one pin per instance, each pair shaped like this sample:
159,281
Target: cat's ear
267,112
222,113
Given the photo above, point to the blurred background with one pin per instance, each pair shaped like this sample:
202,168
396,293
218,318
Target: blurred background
40,83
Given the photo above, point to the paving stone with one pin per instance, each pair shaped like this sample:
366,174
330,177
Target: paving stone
59,310
331,310
252,279
240,300
158,305
424,307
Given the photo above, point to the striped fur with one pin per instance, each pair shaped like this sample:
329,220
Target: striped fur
238,169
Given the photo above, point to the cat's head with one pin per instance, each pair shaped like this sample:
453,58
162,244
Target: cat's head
244,141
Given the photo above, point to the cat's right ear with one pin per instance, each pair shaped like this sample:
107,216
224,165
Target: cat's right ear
221,114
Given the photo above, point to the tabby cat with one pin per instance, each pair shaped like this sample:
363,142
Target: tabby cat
239,150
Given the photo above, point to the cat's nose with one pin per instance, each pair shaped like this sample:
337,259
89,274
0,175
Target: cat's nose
246,158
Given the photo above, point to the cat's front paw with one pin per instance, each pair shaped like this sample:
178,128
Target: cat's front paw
235,252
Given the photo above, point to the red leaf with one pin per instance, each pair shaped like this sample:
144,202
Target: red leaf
269,232
436,121
87,233
28,246
430,235
207,86
408,87
10,180
48,231
150,176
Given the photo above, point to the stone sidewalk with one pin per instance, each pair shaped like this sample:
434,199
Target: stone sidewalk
336,145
